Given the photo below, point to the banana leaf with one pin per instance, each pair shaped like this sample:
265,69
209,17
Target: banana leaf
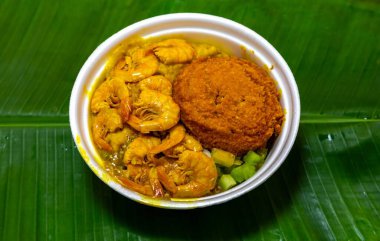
327,189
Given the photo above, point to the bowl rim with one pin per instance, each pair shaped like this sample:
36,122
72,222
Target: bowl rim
106,46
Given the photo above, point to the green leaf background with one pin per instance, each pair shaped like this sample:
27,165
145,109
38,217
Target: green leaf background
327,189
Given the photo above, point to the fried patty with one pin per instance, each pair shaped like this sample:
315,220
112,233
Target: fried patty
229,103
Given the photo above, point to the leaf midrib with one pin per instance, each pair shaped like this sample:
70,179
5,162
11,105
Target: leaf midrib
29,121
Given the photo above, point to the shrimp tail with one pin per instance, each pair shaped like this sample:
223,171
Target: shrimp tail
158,191
134,122
136,187
165,180
99,134
125,110
102,144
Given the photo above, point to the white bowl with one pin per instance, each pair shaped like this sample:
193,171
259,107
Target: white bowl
216,30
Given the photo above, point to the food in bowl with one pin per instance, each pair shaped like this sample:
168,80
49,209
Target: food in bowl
150,135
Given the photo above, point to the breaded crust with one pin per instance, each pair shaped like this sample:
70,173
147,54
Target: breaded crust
229,103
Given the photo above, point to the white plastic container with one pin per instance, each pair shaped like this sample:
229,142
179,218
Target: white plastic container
198,27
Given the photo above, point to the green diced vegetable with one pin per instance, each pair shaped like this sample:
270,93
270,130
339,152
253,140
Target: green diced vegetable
262,152
238,162
227,170
243,172
222,158
252,158
226,182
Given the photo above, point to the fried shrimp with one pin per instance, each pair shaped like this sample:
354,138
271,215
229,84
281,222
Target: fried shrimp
176,135
187,143
154,111
137,178
193,175
140,65
158,83
173,51
119,138
201,172
138,149
106,121
112,93
142,179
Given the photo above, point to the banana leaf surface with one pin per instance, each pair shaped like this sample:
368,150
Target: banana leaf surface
327,189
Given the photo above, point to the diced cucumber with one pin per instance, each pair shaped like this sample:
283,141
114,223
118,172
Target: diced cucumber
238,162
262,152
243,172
226,182
252,158
222,158
227,170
